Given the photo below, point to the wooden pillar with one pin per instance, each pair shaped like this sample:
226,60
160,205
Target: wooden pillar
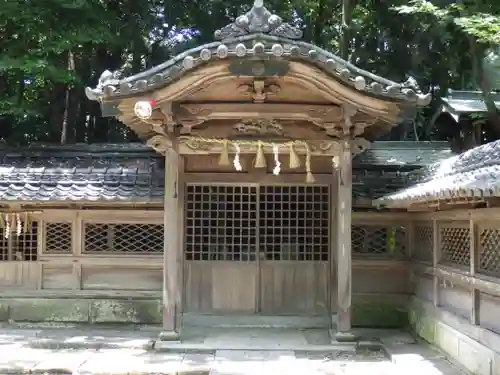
344,253
474,261
334,229
171,255
435,260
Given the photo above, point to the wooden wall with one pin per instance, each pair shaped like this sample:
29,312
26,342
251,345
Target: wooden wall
68,254
456,270
60,253
62,261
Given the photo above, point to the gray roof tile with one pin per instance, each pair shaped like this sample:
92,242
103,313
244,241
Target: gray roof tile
133,172
460,101
81,173
474,173
403,153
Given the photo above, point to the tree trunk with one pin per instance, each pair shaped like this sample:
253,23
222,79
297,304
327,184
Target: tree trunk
345,40
64,130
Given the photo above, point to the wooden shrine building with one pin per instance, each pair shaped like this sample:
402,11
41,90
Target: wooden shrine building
274,123
258,197
250,197
270,125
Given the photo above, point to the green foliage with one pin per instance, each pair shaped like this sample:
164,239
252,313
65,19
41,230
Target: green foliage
52,49
480,20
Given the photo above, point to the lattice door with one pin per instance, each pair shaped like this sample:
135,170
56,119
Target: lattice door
221,223
293,223
256,248
235,223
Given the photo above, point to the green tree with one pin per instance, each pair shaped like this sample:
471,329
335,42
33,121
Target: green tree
52,49
476,25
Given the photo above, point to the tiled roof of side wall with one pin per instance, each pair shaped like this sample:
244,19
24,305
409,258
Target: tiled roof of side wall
134,173
474,173
125,172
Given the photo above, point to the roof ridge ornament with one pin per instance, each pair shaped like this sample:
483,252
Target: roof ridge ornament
258,20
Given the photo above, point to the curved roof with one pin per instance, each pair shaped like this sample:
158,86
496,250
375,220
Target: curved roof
472,174
256,35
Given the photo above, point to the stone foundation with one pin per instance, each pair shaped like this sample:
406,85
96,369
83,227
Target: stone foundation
472,347
112,310
80,310
379,312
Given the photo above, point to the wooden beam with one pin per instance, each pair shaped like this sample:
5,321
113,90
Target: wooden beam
492,202
460,278
445,205
192,146
171,256
192,114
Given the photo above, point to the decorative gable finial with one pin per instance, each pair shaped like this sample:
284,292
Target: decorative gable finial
259,20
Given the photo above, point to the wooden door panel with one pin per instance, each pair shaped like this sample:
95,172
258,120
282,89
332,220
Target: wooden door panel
294,288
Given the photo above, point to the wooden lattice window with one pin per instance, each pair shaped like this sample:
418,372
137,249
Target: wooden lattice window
235,223
20,248
123,238
454,239
58,238
378,240
489,251
423,242
293,222
221,223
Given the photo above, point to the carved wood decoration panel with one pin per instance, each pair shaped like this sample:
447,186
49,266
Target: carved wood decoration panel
329,120
240,90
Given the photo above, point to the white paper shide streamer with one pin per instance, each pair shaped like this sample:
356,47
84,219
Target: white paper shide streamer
236,161
277,164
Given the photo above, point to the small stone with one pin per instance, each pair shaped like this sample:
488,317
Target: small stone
205,54
240,50
258,48
359,82
222,51
277,50
313,54
295,51
168,336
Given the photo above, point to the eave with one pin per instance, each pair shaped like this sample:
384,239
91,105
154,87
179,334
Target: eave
254,46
